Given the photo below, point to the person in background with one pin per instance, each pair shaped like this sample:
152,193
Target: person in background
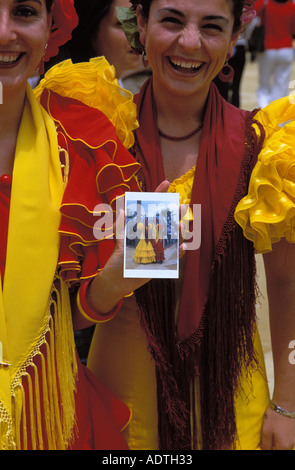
275,63
99,33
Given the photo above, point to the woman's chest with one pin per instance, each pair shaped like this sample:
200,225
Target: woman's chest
178,159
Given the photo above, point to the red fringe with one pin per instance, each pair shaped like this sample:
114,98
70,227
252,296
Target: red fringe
221,347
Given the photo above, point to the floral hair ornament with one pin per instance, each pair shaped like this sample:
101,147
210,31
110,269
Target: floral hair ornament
127,18
249,12
65,20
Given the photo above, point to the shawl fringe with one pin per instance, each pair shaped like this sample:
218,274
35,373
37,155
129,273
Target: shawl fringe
43,401
219,350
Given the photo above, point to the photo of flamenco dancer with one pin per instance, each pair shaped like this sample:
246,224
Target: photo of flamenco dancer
151,236
157,241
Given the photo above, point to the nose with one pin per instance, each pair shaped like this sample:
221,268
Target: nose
7,29
190,38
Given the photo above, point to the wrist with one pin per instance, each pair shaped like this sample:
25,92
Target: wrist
90,313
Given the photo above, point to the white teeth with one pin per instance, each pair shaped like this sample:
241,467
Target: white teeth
9,58
186,64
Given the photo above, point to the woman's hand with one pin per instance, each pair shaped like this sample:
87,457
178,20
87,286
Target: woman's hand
278,432
110,286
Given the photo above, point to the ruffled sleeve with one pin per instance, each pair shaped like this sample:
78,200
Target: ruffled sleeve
266,214
98,170
94,83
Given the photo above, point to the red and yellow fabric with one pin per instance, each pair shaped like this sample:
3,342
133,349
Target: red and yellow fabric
267,212
99,164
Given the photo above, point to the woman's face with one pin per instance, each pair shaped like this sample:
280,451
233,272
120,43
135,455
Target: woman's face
187,42
24,30
110,41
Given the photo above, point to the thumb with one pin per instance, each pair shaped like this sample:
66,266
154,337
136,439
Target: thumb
119,228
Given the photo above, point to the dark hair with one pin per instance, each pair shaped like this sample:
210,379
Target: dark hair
49,4
238,6
79,48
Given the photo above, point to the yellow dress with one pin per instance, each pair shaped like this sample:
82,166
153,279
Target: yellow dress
144,252
119,353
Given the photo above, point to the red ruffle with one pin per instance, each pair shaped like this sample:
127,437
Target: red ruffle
100,171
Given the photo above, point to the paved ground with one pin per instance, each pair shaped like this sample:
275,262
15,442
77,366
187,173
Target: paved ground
248,101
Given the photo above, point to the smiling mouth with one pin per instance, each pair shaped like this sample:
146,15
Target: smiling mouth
186,66
9,59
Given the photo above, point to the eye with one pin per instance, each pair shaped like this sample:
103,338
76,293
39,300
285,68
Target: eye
171,19
25,12
213,27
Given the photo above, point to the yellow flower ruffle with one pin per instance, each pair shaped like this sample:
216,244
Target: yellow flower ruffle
184,186
94,83
266,214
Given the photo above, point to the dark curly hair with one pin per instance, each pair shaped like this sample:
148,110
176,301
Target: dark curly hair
79,48
49,4
238,6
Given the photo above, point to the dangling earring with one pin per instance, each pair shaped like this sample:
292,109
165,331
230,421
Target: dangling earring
227,73
40,67
144,59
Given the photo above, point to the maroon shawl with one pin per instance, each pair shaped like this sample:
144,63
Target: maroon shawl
213,335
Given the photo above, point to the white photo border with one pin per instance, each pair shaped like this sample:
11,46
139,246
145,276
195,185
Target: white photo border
150,200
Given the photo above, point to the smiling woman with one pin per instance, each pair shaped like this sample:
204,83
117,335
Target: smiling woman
25,29
185,355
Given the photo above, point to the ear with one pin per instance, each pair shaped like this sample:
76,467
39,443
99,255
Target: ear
232,44
141,24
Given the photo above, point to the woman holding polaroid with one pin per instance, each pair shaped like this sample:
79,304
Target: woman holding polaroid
185,355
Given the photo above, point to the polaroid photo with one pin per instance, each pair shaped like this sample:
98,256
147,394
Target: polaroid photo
151,237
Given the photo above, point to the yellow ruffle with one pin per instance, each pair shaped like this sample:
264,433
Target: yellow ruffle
184,186
94,83
266,214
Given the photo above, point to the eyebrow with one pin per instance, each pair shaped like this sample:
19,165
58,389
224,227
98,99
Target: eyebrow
171,10
216,18
26,1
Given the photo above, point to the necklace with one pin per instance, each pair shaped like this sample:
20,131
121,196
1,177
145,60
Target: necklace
180,139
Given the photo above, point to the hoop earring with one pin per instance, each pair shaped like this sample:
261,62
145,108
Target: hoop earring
144,59
227,73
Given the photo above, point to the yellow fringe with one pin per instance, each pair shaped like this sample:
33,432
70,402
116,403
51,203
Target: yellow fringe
52,412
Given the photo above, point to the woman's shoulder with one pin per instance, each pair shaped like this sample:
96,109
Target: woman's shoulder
266,214
83,95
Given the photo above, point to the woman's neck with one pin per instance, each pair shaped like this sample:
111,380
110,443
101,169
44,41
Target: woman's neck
10,117
185,112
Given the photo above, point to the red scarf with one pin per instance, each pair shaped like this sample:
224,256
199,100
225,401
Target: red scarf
225,159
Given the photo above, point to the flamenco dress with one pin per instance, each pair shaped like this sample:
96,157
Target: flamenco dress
157,244
144,252
266,216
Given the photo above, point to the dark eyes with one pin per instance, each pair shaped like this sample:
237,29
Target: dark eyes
207,26
171,20
213,26
25,12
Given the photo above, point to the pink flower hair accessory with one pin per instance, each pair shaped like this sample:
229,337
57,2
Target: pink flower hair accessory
249,12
